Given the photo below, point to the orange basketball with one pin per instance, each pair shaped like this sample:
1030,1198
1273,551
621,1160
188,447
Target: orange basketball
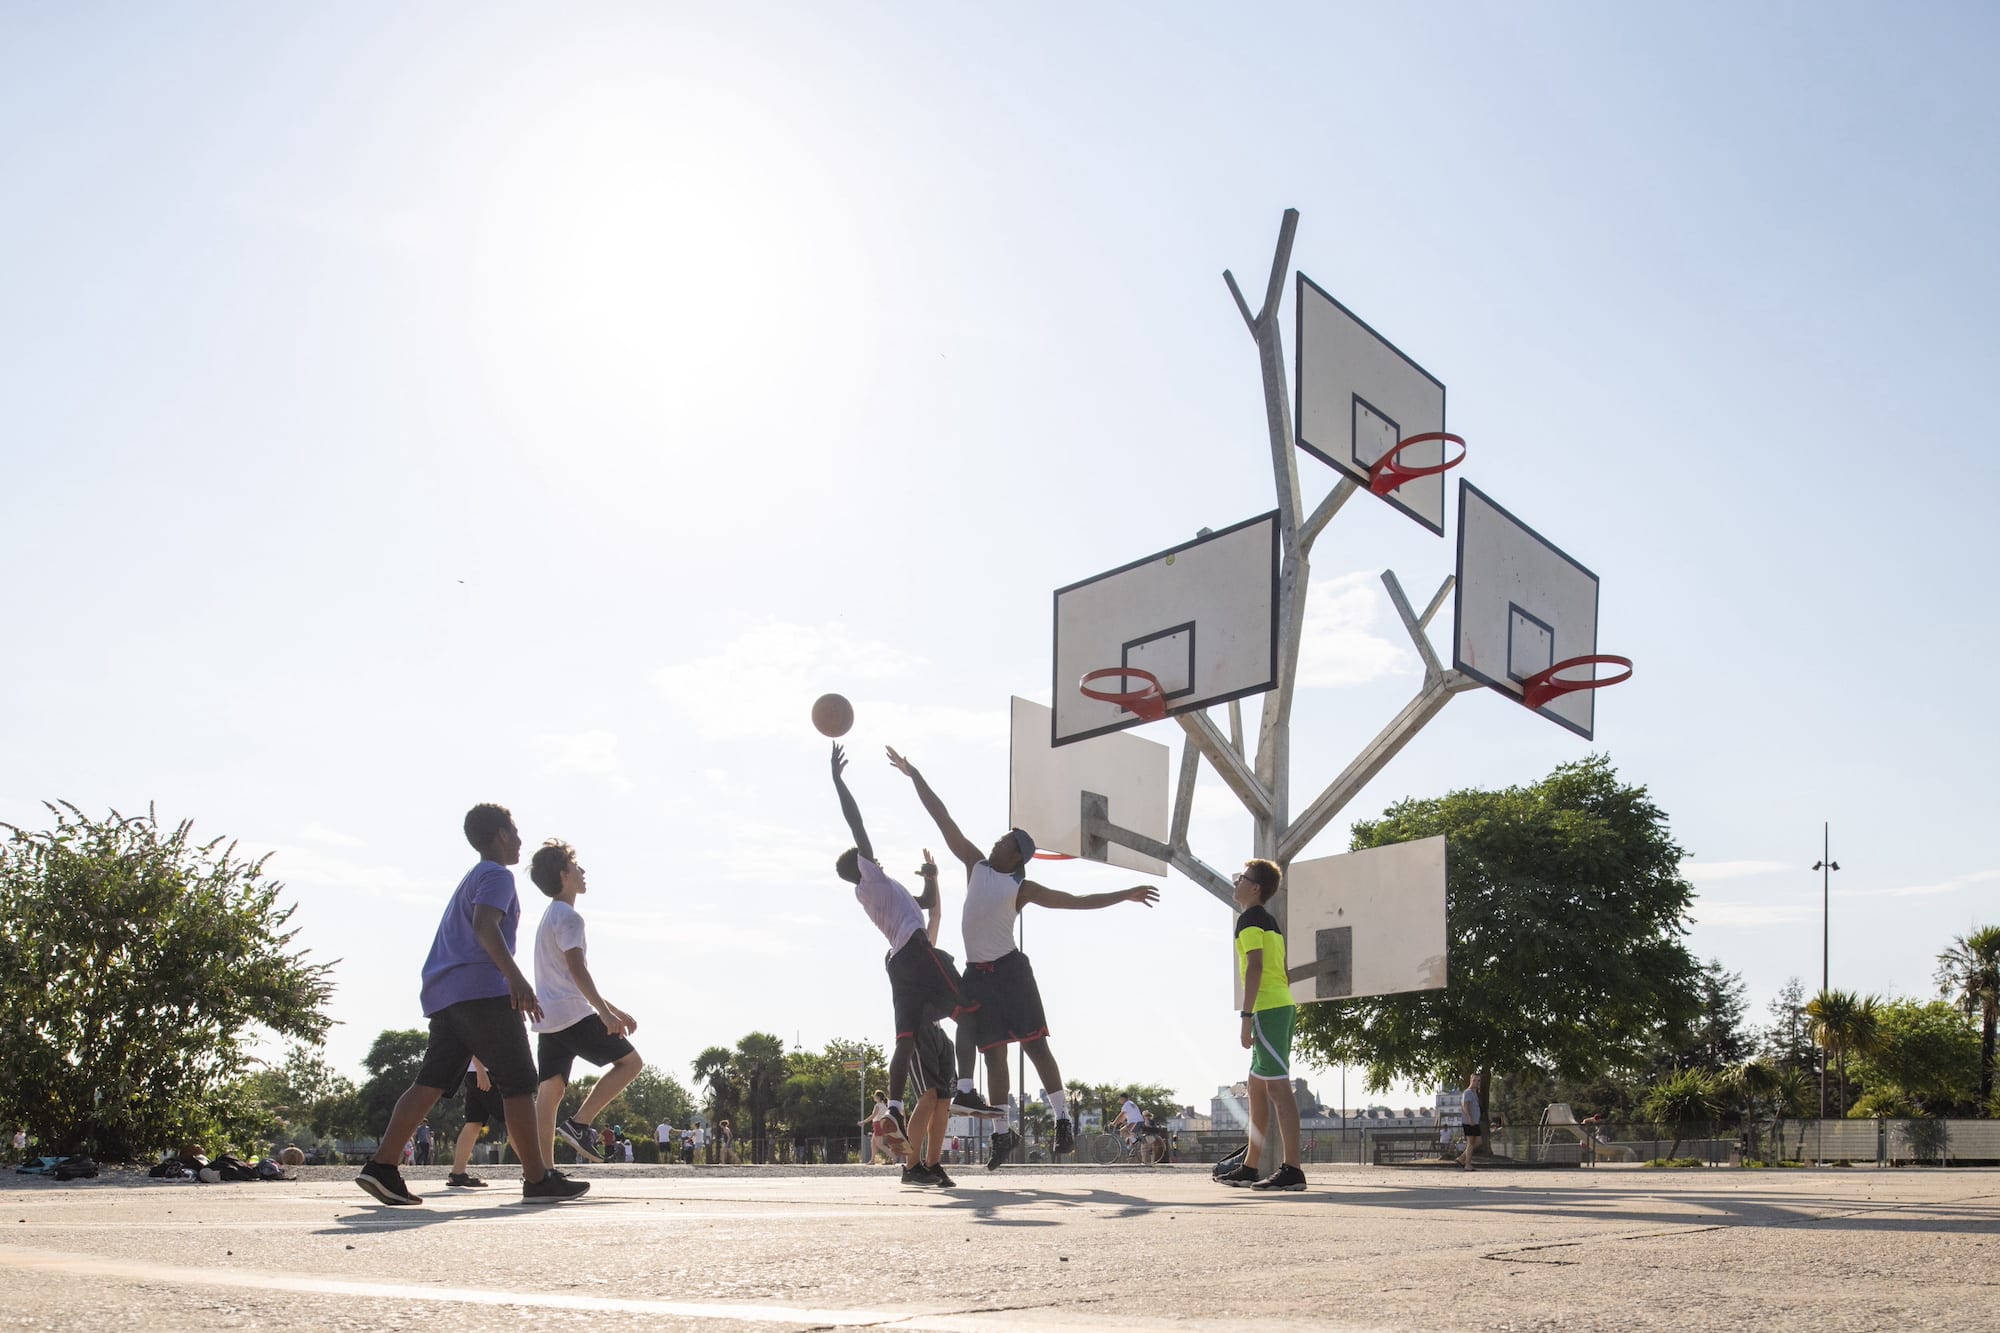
832,714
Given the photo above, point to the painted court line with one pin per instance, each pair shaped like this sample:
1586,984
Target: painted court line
21,1259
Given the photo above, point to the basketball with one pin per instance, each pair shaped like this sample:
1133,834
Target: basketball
832,714
292,1156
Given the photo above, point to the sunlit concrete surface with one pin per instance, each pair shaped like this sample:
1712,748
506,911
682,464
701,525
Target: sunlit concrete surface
1023,1248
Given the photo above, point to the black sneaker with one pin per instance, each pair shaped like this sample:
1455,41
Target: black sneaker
464,1180
917,1176
579,1137
1065,1137
940,1179
971,1103
1286,1177
1004,1145
902,1121
385,1183
1230,1163
554,1187
1242,1175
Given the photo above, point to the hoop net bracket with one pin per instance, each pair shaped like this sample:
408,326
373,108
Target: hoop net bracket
1148,702
1386,473
1545,685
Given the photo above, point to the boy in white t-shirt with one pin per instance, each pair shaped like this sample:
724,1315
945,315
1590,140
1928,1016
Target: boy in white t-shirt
576,1020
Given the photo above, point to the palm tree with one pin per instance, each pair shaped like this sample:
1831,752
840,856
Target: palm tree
1791,1098
1969,971
1751,1082
1681,1097
1844,1023
716,1067
759,1065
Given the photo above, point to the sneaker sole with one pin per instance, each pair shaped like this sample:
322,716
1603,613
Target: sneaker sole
1279,1189
385,1194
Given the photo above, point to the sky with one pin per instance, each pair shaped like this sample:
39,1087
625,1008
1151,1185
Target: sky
402,409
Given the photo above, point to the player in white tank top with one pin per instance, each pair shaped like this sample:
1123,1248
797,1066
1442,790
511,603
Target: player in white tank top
996,889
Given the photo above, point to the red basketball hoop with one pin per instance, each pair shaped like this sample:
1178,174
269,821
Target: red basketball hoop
1545,685
1053,856
1149,701
1386,473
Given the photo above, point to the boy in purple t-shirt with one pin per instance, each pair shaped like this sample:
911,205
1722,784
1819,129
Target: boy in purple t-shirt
475,997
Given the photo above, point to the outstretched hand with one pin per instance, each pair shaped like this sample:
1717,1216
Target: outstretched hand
839,761
901,765
1144,894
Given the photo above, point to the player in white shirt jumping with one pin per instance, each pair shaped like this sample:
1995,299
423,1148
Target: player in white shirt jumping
998,978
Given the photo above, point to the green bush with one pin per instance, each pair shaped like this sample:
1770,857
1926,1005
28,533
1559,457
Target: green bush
1676,1163
647,1151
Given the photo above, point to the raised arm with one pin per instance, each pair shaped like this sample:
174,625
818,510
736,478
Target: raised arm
848,809
1043,896
930,900
959,845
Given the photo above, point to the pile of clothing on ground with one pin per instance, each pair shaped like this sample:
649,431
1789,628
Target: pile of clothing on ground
78,1166
192,1163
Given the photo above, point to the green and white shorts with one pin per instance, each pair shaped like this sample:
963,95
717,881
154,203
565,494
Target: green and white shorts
1271,1042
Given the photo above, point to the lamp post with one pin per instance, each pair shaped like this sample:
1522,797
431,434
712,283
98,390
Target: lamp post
1826,865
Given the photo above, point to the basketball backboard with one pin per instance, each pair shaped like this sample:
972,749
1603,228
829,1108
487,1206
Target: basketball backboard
1366,923
1523,606
1358,395
1046,786
1201,616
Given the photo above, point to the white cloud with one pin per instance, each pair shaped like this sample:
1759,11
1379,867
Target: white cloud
321,833
587,753
1340,645
307,872
763,683
1752,914
1952,885
1706,872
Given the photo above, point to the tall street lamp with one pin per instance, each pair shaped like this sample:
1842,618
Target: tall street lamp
1826,865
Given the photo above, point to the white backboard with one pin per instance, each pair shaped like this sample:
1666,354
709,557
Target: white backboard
1523,606
1045,787
1358,395
1366,923
1202,616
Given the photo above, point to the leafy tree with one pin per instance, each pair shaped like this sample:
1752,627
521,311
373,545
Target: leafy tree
393,1059
136,968
1566,906
1843,1024
1788,1041
1682,1098
1970,971
1925,1061
822,1098
655,1096
1716,1039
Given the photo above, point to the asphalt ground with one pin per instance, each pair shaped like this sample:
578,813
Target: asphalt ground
1023,1248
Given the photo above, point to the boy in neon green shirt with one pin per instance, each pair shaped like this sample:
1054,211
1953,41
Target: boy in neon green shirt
1267,1030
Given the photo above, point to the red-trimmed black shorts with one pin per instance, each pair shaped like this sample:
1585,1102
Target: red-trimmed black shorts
924,985
1008,1000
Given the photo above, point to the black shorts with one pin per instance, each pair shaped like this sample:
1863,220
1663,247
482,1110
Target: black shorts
556,1051
479,1104
924,985
488,1028
1009,1001
1475,1131
936,1067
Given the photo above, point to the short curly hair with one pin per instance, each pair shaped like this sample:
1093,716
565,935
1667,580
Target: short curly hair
550,860
483,823
1264,874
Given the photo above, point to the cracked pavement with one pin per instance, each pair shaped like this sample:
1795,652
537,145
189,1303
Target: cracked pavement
1024,1248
